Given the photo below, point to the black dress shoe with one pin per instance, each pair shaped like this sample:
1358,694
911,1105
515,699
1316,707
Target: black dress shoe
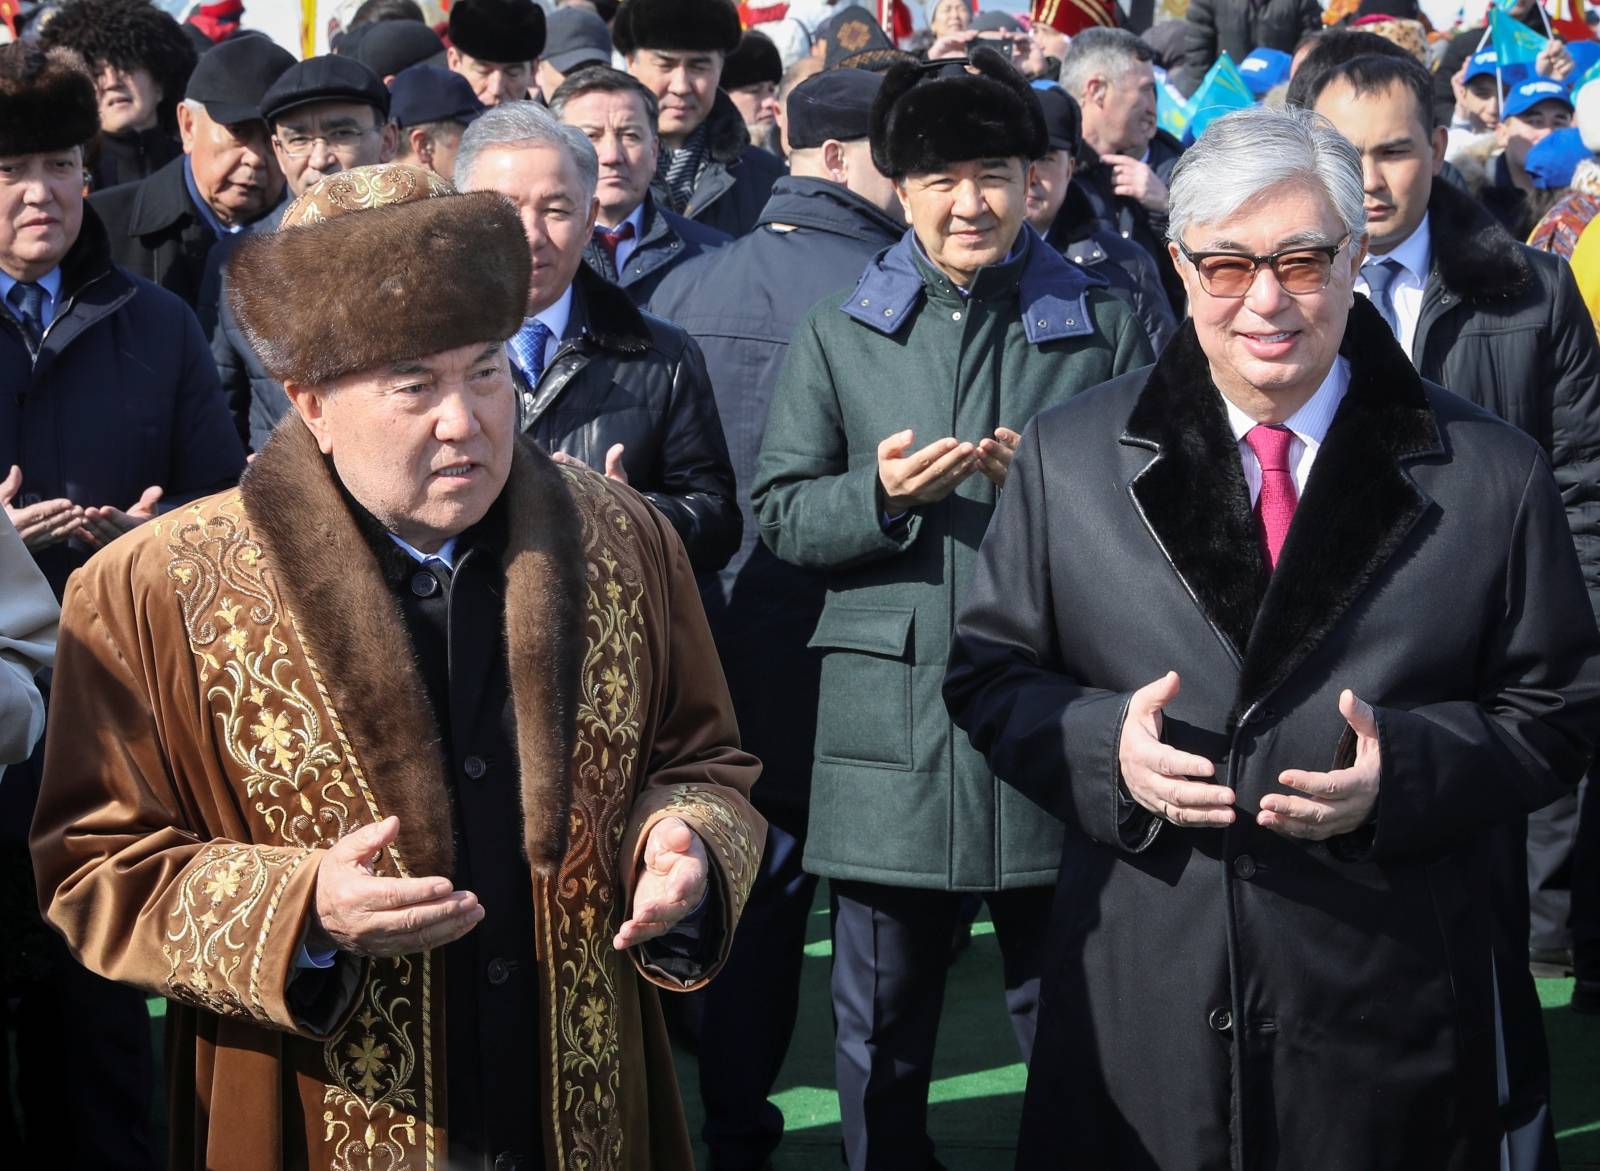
1550,963
1586,988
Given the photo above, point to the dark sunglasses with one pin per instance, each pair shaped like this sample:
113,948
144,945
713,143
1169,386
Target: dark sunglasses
1301,270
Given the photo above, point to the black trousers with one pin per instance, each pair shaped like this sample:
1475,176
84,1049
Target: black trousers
891,951
742,1022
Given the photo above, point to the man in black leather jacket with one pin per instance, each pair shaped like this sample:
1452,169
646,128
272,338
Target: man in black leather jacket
601,383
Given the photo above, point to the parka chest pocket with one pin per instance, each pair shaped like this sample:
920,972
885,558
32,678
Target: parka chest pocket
864,709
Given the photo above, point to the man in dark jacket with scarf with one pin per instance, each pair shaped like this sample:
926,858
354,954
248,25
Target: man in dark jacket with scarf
111,405
888,441
636,241
1060,212
163,227
1502,325
1124,163
708,170
600,382
824,223
1284,633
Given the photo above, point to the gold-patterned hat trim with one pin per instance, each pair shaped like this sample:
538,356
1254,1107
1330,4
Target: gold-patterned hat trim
361,189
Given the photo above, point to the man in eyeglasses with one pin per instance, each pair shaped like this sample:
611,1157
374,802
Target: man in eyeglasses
1502,325
324,115
887,444
1284,633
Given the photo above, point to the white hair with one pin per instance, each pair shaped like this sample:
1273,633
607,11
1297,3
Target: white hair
1242,154
1100,52
524,124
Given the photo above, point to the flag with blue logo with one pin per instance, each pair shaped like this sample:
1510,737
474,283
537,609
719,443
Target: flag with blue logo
1514,42
1171,113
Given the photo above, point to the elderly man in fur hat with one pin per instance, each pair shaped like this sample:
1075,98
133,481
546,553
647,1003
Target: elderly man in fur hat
887,443
405,770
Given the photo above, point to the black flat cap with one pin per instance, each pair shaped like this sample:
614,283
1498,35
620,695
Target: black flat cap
754,61
501,32
393,45
231,79
575,36
1063,121
432,93
836,103
325,79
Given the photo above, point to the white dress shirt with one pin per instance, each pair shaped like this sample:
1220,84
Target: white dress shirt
1310,426
50,282
1415,256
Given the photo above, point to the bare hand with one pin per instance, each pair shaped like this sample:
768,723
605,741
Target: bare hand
671,884
101,526
1157,775
359,912
1553,61
39,525
1336,802
1134,179
995,455
952,46
922,477
614,468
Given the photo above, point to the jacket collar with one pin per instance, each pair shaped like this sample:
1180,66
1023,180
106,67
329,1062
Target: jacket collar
92,288
825,206
163,202
1475,260
1357,510
604,317
352,627
1052,294
726,136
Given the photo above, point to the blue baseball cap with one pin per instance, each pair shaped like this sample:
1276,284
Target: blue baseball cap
432,93
1486,63
1265,68
1555,157
1528,94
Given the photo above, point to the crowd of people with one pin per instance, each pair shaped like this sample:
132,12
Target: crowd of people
498,512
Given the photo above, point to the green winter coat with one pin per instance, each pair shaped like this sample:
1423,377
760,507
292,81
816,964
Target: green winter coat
898,795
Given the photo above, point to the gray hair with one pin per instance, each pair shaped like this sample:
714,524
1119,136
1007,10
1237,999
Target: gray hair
1100,52
1242,154
526,124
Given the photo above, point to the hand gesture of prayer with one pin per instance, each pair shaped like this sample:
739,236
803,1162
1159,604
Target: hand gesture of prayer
671,884
1333,802
1157,775
40,525
912,478
362,913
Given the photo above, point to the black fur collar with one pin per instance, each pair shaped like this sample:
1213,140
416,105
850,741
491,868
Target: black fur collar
1357,510
1474,257
612,320
726,136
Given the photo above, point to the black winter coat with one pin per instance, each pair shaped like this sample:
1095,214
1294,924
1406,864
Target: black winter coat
623,376
255,398
1233,998
742,304
1129,271
131,156
1129,218
668,241
1238,26
737,178
123,395
157,232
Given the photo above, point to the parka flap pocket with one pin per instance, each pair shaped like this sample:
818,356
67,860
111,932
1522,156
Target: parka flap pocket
859,628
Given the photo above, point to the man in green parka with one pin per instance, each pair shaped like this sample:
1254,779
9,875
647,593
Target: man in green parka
888,442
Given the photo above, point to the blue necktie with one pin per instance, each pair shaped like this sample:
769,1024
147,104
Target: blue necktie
28,300
1380,276
527,349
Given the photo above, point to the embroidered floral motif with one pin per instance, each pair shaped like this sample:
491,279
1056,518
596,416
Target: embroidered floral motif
716,819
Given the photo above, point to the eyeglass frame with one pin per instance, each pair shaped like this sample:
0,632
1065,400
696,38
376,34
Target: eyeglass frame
1270,259
327,140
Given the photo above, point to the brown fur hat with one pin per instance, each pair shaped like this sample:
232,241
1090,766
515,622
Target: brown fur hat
929,115
47,100
375,266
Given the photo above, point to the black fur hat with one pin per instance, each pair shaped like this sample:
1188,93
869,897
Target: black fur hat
127,34
47,100
497,30
685,25
930,115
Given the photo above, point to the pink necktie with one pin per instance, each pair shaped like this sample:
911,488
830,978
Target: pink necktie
1275,505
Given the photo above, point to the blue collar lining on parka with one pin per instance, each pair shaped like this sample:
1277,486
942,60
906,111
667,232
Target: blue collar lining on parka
1052,291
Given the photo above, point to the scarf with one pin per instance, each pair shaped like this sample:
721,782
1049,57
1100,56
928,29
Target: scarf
678,171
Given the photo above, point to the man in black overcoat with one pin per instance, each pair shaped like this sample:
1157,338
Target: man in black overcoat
1283,633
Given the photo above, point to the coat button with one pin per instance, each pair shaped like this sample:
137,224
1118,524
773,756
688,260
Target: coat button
1221,1020
1071,322
865,302
499,971
474,766
888,312
956,316
424,584
1244,866
506,1161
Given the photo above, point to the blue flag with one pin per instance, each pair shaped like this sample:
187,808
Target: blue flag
1514,42
1171,113
1222,91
